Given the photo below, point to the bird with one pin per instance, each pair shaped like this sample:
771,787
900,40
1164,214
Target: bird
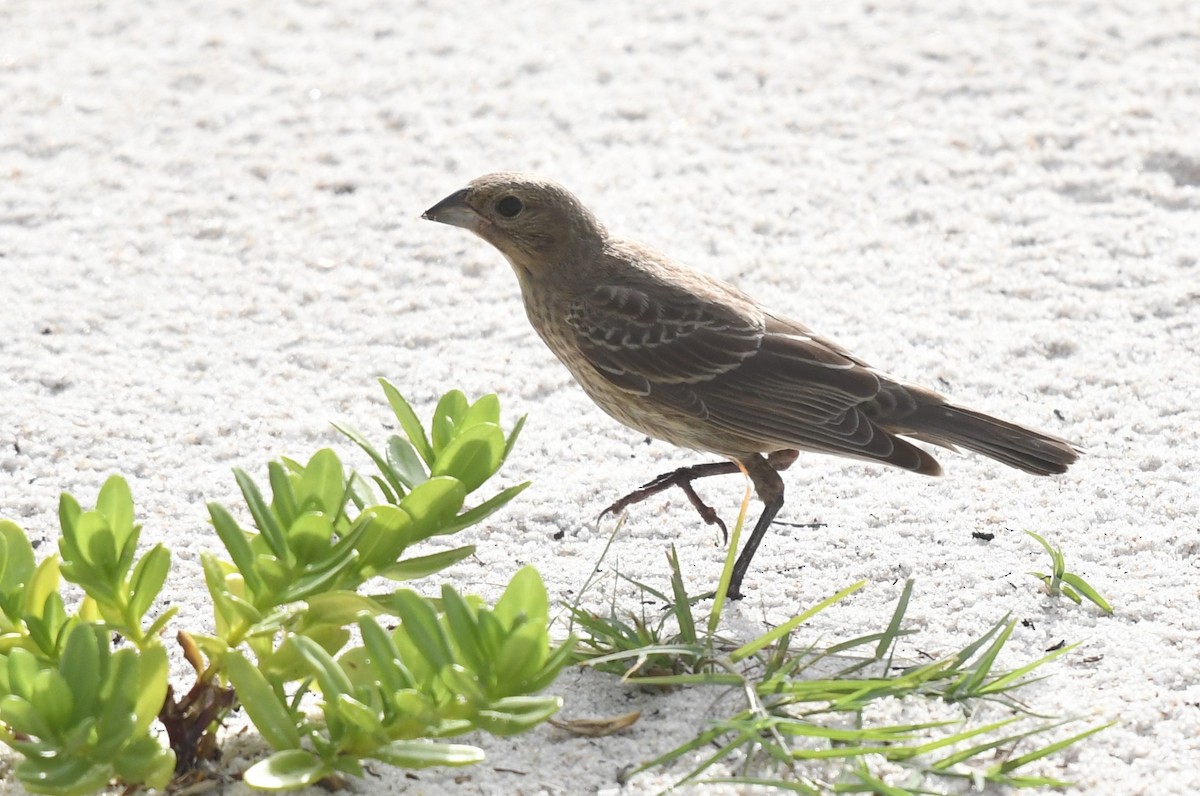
689,359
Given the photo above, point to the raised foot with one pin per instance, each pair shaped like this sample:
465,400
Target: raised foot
681,478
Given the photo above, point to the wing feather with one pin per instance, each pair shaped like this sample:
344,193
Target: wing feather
627,332
749,377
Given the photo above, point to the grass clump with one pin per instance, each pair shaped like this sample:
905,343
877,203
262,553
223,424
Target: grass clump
822,718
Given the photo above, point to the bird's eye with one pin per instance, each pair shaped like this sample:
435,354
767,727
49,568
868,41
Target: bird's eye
509,206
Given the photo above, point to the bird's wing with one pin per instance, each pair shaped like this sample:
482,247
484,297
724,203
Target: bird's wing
751,376
640,340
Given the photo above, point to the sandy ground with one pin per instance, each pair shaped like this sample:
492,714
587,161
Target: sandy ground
210,247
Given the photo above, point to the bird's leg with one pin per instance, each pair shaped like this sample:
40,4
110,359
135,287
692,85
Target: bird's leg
763,473
769,486
681,478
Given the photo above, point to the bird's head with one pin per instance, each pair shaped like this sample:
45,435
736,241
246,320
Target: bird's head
538,225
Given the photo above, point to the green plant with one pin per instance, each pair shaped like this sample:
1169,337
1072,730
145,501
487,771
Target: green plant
78,712
437,675
809,717
1059,581
286,602
656,647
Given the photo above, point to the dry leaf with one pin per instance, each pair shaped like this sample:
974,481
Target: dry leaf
597,728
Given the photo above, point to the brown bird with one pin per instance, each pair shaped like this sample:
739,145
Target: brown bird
689,359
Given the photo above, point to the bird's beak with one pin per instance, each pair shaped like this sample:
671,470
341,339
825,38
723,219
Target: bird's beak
454,210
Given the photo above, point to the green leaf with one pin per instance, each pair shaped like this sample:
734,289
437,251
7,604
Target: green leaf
153,670
415,715
330,676
1016,762
23,667
433,505
147,581
894,629
309,585
213,648
1071,594
52,698
68,514
492,632
485,410
115,502
1042,541
16,557
978,672
525,596
287,663
392,486
465,686
421,624
404,464
344,549
408,421
39,588
264,518
287,770
472,456
361,716
512,438
765,640
1014,678
323,485
681,607
244,611
310,537
56,622
276,576
117,717
272,719
517,714
22,717
283,497
520,659
387,532
554,664
160,622
349,766
1084,588
422,754
236,544
218,590
447,419
464,632
385,658
390,495
359,492
41,634
421,566
81,667
484,510
97,544
58,777
338,608
146,762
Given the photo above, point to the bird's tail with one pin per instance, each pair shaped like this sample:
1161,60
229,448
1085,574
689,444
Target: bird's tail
1019,447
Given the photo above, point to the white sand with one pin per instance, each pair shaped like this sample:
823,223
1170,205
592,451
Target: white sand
210,247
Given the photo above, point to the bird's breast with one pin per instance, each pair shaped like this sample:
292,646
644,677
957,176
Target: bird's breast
643,413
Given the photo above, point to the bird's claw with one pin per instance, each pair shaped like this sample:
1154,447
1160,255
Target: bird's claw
707,512
681,478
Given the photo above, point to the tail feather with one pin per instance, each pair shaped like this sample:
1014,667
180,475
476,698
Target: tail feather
1023,448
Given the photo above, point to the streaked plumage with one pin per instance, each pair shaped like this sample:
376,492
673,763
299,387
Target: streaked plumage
689,359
